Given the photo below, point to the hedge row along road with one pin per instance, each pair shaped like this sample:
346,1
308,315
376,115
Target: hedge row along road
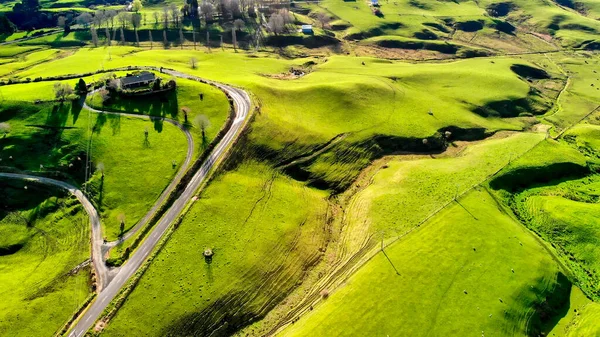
111,281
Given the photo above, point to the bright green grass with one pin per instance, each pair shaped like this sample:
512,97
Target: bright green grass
582,96
38,296
12,50
451,254
341,95
214,105
573,226
566,215
586,137
397,13
548,161
27,61
135,171
425,185
264,229
582,318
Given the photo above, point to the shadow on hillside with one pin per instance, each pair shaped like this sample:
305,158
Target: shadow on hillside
159,106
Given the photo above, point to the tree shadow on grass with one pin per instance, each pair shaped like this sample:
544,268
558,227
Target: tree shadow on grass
76,107
162,105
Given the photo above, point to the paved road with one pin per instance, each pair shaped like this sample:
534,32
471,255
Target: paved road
87,205
183,168
105,274
242,109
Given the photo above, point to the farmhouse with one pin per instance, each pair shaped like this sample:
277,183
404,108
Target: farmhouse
307,29
135,81
375,3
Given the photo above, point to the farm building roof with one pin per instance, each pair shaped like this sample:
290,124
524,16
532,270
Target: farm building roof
144,76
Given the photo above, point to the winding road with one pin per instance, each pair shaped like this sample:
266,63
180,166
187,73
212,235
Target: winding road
110,281
242,111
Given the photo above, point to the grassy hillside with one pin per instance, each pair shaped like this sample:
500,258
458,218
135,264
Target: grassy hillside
53,139
423,185
265,230
442,287
44,235
213,105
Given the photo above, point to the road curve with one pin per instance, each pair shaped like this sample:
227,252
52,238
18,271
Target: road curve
87,205
242,112
182,169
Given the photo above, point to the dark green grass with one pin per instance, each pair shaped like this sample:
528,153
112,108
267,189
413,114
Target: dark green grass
49,235
52,139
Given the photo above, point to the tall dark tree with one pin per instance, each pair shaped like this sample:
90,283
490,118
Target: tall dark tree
81,86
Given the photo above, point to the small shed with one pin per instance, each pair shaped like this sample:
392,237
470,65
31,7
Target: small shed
142,79
307,29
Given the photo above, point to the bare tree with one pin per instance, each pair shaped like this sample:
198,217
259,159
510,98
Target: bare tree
150,38
185,109
234,8
165,16
193,64
94,35
237,24
276,23
122,37
207,10
84,19
203,123
207,38
100,168
5,128
107,33
110,17
323,19
181,39
287,17
62,91
61,21
124,18
136,22
156,16
165,41
99,18
175,14
194,37
104,95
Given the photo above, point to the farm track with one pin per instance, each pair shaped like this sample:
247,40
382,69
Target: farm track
111,281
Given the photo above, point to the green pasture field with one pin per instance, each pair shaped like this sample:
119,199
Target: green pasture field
378,98
44,235
424,185
469,269
12,50
214,106
56,137
586,137
572,226
27,61
264,229
581,318
582,95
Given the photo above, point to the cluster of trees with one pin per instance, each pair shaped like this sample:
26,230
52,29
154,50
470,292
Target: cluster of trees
27,15
280,21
